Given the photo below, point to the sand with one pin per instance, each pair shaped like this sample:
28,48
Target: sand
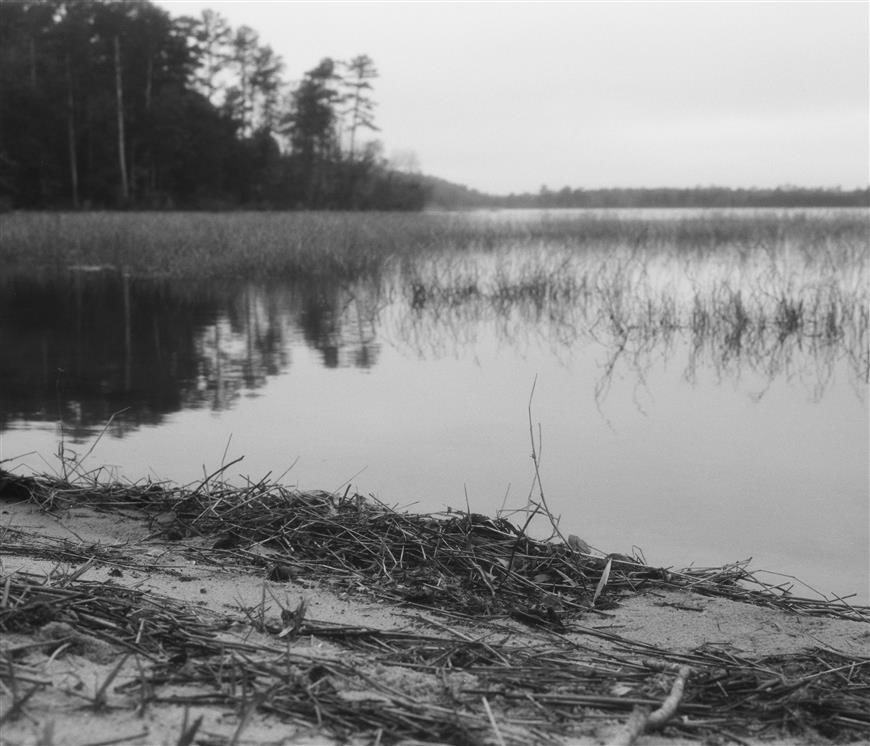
65,681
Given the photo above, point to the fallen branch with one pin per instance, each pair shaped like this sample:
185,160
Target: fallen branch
642,719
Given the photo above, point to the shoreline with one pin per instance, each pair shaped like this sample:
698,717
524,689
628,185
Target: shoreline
130,611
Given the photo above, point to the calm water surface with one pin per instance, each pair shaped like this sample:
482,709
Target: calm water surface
693,444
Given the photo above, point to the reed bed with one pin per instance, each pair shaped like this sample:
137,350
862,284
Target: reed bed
259,245
484,574
796,306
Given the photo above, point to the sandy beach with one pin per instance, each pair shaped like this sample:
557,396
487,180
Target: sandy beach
125,621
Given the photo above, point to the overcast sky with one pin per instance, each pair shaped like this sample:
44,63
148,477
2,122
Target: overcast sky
510,96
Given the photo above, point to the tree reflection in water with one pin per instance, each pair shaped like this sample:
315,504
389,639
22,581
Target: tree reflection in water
98,342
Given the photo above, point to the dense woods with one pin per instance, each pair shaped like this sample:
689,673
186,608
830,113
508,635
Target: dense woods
120,105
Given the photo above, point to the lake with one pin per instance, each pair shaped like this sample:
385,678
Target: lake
700,398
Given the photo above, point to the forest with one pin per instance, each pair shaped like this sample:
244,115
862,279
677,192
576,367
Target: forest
117,105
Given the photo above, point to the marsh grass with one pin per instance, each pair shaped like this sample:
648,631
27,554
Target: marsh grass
793,299
187,245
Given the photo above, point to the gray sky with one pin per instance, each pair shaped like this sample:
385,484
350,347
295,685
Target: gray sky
509,96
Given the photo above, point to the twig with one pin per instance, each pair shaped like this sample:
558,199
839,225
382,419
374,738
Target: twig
99,437
121,739
602,582
221,469
642,719
188,733
554,523
498,736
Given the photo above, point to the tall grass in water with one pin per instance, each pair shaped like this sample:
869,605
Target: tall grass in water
192,245
187,245
781,297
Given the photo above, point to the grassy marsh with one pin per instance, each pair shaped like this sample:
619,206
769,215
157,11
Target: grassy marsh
263,244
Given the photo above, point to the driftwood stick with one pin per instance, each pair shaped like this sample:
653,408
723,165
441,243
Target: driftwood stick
634,727
641,719
660,716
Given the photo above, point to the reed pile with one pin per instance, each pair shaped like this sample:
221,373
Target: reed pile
491,685
457,561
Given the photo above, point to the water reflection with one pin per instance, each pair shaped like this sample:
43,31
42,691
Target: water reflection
101,342
84,349
714,415
728,341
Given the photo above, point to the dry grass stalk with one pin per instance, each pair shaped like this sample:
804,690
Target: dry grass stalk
465,562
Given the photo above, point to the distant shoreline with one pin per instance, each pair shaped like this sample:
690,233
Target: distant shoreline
446,194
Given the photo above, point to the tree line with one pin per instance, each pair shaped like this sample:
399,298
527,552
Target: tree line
446,195
117,104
